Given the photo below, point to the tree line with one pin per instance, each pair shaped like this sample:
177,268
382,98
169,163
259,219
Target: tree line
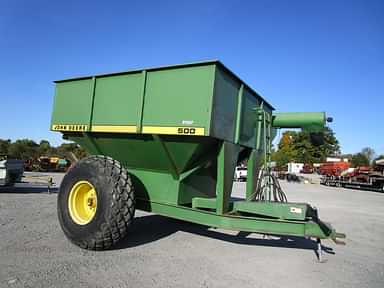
25,149
296,146
293,146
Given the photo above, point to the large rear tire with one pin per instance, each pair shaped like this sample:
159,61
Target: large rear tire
96,203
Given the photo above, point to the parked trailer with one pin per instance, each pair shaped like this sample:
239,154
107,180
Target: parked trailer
372,182
333,168
52,164
11,171
167,140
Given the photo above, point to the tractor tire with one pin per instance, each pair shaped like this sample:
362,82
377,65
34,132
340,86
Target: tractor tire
96,203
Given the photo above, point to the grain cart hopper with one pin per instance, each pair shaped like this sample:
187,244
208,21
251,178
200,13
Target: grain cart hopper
167,140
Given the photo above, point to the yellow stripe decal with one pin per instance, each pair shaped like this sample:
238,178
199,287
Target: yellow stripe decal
70,127
114,128
199,131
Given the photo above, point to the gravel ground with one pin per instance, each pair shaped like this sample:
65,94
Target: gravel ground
161,252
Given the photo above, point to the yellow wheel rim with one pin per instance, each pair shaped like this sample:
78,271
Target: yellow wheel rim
82,202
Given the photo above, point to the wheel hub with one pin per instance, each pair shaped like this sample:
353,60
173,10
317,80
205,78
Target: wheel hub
82,202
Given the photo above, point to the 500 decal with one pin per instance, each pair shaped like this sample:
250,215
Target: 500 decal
195,131
186,130
71,127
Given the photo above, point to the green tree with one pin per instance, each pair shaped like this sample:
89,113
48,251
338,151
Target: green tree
331,145
303,149
23,149
285,152
66,148
359,159
4,146
45,149
297,147
369,153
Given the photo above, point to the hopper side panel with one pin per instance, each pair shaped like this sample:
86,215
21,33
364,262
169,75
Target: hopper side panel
248,120
117,102
73,103
224,106
178,97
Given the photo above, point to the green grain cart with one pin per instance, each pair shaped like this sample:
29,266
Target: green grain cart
167,140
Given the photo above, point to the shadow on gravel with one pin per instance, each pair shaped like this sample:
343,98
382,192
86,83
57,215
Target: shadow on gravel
147,229
28,189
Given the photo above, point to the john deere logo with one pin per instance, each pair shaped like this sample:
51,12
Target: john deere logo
72,127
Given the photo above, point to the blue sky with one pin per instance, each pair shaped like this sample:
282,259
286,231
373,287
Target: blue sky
300,55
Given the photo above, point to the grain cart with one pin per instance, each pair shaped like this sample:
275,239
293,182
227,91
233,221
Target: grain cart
167,140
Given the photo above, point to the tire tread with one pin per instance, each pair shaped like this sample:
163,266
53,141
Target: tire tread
116,226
